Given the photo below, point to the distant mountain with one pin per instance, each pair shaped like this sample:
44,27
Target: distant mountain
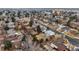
39,9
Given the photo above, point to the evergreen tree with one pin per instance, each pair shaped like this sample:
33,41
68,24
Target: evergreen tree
31,23
7,44
24,38
13,19
34,38
38,29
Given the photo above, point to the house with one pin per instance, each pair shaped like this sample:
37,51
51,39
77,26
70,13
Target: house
49,33
11,25
75,25
16,43
41,36
2,38
11,32
61,47
43,28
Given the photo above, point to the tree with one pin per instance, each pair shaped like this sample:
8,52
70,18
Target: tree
7,44
6,28
0,19
26,14
13,19
6,21
24,39
41,41
71,19
38,29
0,13
31,23
34,38
19,13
